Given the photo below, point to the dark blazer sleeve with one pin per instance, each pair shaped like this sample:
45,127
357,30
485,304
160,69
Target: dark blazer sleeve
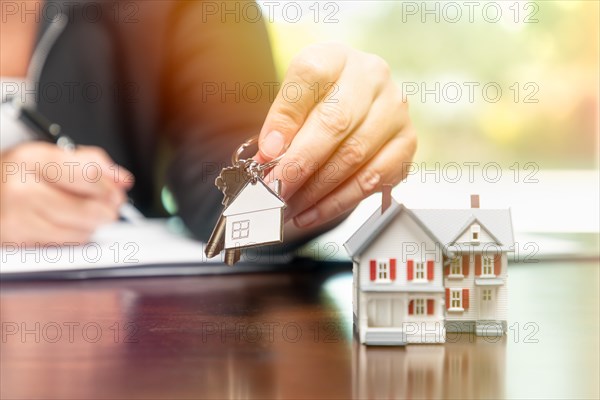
217,88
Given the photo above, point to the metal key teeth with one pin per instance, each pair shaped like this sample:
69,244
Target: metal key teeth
214,246
232,256
230,181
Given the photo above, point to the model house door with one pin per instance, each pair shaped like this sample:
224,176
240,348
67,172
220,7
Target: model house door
487,303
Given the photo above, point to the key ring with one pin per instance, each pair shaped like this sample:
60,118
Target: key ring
235,158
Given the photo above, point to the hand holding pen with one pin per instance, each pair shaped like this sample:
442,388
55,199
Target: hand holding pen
49,195
52,132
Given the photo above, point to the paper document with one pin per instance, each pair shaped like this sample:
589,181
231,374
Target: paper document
120,246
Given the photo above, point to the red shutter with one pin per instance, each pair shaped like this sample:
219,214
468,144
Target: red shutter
393,269
447,299
429,270
465,299
411,307
430,307
497,264
478,264
465,264
373,270
409,269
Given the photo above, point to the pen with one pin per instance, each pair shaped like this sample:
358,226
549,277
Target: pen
52,132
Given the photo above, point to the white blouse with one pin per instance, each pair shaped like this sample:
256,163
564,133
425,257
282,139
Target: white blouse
12,131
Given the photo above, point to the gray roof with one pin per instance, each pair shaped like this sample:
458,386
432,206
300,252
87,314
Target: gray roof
444,226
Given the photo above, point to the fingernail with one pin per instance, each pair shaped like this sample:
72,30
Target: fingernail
273,144
307,218
372,180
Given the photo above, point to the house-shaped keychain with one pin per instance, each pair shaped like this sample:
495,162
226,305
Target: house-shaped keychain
255,216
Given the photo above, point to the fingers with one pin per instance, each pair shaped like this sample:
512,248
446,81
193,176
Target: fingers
113,172
21,222
73,212
385,167
354,152
349,146
330,124
311,75
33,229
88,171
47,195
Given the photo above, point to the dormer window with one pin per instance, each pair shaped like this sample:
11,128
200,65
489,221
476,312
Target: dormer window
475,231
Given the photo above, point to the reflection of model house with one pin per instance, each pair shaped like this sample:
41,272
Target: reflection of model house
413,267
416,372
464,368
254,217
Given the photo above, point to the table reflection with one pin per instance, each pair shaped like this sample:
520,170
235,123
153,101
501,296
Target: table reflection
198,337
465,367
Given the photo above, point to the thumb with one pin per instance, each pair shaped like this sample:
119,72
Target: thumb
310,75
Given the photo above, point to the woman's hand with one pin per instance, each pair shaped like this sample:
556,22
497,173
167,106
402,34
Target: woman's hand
48,195
347,128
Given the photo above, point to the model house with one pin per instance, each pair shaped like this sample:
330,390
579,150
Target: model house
254,217
420,273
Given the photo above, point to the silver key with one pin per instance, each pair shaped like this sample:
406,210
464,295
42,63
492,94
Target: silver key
231,182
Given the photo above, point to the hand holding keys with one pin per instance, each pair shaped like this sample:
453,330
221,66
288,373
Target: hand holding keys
253,212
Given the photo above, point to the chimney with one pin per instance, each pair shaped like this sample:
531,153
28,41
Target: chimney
386,197
474,201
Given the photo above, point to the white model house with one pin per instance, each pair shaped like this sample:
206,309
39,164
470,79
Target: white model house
418,273
254,217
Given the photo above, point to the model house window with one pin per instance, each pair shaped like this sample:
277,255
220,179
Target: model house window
420,271
456,266
419,306
475,230
455,298
487,294
487,266
383,270
240,229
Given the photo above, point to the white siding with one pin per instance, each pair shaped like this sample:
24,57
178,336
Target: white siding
468,282
402,234
265,227
502,300
355,267
484,236
402,239
418,328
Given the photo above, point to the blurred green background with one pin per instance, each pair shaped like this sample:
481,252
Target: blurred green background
451,58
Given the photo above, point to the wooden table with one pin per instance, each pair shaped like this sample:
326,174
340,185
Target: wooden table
285,335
